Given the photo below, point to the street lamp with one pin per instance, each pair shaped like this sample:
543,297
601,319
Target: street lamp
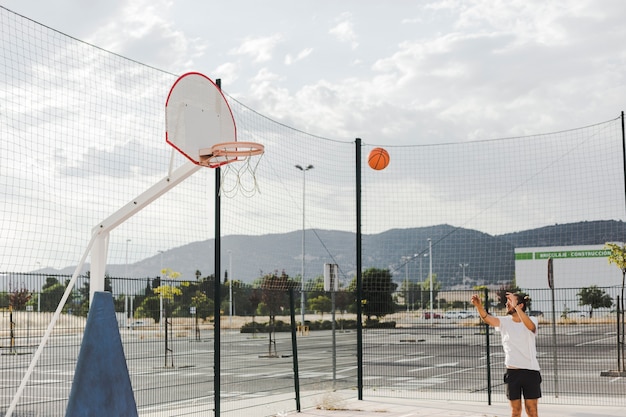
430,260
304,170
39,296
161,269
126,284
421,273
406,260
126,268
406,284
463,266
161,295
230,285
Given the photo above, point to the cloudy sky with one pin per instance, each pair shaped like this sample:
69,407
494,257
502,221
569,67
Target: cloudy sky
390,71
393,73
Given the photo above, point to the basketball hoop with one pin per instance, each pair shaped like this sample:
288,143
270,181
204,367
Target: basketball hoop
227,152
234,177
197,116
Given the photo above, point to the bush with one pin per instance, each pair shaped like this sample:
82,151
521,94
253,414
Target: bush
280,326
375,324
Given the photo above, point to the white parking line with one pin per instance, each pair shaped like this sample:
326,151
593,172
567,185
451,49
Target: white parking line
413,359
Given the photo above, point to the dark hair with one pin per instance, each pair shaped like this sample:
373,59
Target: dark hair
522,299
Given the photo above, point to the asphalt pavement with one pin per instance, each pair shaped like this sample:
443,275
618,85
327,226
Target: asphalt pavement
345,404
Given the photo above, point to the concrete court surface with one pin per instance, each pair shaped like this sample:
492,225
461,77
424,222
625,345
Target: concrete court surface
390,407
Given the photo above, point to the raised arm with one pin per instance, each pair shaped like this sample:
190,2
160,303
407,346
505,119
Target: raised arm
530,325
486,317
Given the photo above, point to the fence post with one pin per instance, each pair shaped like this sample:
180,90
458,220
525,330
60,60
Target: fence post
294,349
359,282
619,347
488,349
217,297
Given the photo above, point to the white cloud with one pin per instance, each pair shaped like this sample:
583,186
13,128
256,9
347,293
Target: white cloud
289,60
260,49
445,71
141,30
344,31
229,71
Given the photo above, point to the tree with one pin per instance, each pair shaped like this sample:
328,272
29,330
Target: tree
594,297
412,292
167,292
344,301
274,294
377,292
321,303
241,298
150,307
254,299
618,257
19,297
51,294
148,289
83,308
274,299
207,286
315,287
204,306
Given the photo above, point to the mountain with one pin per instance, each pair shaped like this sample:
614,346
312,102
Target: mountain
489,259
572,234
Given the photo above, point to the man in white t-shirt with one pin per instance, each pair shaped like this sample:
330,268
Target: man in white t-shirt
519,333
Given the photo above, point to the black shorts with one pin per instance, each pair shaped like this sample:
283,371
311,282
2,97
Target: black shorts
524,382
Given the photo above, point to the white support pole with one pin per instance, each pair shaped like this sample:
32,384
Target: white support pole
99,244
48,331
132,208
99,252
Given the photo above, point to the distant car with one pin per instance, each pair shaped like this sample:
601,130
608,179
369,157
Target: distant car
435,315
136,324
572,314
535,313
458,314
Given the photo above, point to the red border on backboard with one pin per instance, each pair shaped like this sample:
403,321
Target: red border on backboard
223,97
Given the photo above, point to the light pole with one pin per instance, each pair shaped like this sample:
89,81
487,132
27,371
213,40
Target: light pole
463,266
406,284
126,268
430,260
230,285
161,294
304,170
421,273
126,284
406,260
39,296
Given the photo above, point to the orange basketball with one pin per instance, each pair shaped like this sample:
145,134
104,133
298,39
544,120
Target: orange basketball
378,159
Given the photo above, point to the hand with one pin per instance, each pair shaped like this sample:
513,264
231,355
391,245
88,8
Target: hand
476,300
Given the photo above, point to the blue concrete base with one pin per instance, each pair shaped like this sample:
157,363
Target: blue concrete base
101,385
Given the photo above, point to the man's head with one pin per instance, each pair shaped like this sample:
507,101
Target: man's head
514,299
